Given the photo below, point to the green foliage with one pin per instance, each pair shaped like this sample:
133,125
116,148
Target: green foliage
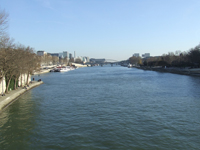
194,55
12,84
145,63
181,59
135,60
158,63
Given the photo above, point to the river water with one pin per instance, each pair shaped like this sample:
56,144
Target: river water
105,108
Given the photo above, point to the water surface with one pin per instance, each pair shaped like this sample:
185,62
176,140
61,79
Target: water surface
105,108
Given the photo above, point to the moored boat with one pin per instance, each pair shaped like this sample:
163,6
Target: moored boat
64,69
129,65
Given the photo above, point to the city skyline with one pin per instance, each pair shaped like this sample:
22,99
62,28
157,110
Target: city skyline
105,29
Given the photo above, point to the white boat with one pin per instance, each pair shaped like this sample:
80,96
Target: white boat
64,69
129,65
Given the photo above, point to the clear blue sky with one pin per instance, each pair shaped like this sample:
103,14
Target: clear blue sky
113,29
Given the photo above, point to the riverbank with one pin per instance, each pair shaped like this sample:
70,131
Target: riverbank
14,94
79,65
182,71
42,71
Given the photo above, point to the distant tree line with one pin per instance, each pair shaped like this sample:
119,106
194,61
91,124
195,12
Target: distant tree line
15,59
177,59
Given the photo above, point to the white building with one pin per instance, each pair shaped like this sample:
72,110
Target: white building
86,59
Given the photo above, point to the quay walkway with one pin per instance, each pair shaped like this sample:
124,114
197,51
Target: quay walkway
14,94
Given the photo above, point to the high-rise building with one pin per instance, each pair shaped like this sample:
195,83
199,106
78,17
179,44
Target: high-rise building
70,56
74,54
65,54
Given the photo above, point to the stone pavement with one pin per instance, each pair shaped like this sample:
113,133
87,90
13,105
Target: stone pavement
42,71
14,94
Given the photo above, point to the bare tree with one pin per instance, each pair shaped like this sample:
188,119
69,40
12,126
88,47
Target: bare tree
31,62
3,22
14,60
135,60
78,60
66,60
12,67
6,55
55,60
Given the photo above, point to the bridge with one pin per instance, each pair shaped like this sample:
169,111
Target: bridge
101,62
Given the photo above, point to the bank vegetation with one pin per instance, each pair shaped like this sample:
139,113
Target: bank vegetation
179,59
15,59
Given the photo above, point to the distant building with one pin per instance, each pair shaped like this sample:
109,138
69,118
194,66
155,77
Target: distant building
60,55
87,59
136,54
54,54
146,55
84,59
41,53
65,54
74,54
70,56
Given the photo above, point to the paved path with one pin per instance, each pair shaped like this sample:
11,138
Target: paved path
14,94
42,71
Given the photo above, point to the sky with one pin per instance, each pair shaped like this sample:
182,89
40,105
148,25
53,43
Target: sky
111,29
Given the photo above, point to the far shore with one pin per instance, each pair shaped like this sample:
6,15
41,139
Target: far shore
42,71
175,70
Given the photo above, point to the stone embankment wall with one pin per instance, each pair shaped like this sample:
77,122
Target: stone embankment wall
13,95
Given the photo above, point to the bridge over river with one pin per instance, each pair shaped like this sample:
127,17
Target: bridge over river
101,62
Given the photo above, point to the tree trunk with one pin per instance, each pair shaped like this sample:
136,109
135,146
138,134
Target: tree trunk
21,80
27,79
8,84
15,84
16,78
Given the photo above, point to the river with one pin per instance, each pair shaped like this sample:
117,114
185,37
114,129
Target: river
101,108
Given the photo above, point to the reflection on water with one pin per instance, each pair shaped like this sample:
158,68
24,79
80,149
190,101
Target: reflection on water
105,108
17,123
